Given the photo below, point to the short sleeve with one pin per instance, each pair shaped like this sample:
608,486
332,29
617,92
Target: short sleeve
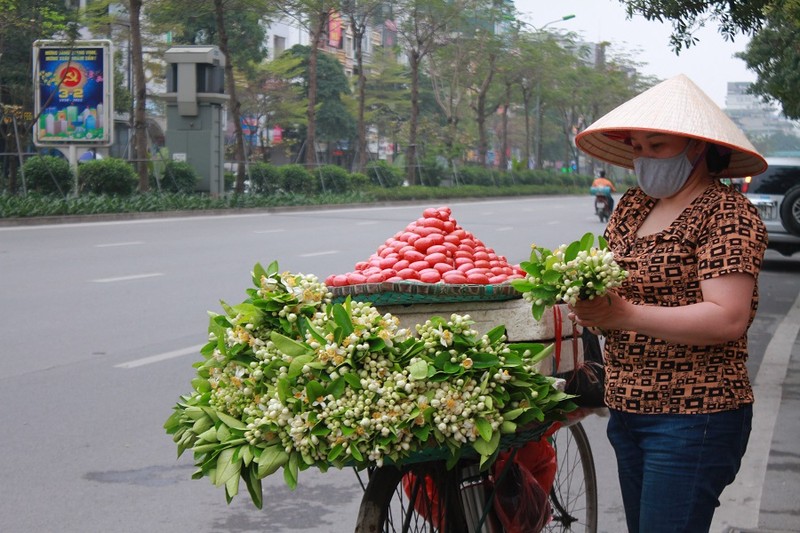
734,239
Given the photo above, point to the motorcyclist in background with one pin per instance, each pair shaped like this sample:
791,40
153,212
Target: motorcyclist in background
602,186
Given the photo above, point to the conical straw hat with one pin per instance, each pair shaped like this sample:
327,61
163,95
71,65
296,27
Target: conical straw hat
676,106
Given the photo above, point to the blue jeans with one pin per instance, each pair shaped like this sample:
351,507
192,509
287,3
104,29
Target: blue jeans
672,468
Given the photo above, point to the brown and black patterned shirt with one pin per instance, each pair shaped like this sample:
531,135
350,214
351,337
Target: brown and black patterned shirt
719,233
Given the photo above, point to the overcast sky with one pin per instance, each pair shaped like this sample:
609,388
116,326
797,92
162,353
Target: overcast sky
710,63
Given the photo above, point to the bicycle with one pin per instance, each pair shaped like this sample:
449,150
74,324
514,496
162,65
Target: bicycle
396,502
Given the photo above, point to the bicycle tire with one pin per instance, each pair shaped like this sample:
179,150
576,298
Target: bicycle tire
388,504
573,497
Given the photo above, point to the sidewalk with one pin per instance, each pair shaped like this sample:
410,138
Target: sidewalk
765,498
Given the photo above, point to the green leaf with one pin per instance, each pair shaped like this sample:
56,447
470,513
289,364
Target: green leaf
551,277
342,318
201,385
353,380
289,346
314,390
508,427
421,432
223,433
227,468
336,387
232,487
572,251
496,334
297,364
418,370
202,424
587,241
484,428
484,360
335,452
356,453
270,460
253,486
230,421
291,470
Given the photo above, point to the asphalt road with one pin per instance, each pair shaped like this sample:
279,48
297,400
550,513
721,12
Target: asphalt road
102,321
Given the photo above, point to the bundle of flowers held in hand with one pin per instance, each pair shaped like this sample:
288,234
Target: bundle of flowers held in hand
292,380
569,273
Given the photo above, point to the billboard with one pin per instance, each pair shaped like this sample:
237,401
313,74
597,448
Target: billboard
73,93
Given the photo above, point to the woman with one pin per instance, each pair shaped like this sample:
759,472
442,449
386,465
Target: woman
676,331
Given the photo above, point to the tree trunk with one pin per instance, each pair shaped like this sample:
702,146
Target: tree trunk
411,151
235,105
140,155
504,131
358,41
311,113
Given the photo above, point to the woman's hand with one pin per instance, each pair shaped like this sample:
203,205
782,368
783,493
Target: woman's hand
601,312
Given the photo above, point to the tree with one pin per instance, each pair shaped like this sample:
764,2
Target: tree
424,26
246,46
774,56
360,14
272,98
733,16
332,119
21,23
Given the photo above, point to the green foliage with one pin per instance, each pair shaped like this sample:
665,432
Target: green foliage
178,176
48,175
333,178
264,178
358,181
383,174
475,175
295,179
774,55
112,176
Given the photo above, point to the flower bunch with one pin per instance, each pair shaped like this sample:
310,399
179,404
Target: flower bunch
579,270
292,380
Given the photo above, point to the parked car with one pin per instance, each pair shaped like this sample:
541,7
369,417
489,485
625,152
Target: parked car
776,194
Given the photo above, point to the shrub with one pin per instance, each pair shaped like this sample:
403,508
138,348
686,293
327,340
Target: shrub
179,176
475,175
333,178
48,174
358,181
296,179
431,172
264,178
107,176
382,173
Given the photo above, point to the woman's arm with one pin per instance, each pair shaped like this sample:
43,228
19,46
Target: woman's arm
721,317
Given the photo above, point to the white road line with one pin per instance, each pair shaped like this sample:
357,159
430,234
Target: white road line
270,231
112,244
740,504
505,228
160,357
553,222
127,278
314,254
366,223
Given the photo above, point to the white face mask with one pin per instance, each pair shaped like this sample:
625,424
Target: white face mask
662,178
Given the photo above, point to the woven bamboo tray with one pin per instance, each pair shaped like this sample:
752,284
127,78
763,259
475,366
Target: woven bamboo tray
412,292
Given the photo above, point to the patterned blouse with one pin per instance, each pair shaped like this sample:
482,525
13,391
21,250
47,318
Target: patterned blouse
719,233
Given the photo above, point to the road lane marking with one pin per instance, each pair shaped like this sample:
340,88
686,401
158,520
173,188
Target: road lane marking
505,228
366,223
127,278
113,244
740,504
270,230
160,357
314,254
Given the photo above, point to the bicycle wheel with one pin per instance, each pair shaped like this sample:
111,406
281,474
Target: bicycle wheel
426,498
574,494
